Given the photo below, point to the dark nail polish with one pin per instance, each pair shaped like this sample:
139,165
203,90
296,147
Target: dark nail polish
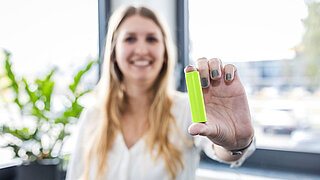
204,82
214,73
228,76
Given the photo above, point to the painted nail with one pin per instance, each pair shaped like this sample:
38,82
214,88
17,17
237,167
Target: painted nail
204,82
228,76
214,73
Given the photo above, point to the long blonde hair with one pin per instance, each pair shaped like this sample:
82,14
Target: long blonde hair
114,101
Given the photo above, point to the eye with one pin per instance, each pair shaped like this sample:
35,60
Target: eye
152,39
130,39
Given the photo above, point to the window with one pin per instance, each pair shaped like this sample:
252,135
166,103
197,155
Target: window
41,35
269,42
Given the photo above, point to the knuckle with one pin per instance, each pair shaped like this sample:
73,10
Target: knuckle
215,60
201,60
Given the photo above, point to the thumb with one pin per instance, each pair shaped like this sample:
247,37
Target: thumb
200,129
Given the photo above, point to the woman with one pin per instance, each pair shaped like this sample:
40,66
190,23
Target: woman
140,128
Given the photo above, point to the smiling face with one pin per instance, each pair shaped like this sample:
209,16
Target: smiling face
139,49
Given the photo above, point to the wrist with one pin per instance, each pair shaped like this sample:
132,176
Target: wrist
223,154
240,151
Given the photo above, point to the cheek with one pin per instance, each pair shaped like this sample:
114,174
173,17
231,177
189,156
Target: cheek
122,53
159,52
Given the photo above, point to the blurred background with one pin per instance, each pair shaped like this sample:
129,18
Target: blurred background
276,47
274,44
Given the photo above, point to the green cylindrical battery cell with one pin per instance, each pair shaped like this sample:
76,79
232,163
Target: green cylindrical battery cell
196,98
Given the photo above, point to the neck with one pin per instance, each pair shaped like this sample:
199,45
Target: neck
139,97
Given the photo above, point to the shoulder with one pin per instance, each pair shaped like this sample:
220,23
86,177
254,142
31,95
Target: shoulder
89,113
86,123
89,119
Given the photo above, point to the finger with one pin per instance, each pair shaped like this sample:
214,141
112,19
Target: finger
189,68
203,66
201,129
215,66
197,129
229,72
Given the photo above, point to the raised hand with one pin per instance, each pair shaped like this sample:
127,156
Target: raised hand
228,116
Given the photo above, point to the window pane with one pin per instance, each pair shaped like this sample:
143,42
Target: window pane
42,34
272,44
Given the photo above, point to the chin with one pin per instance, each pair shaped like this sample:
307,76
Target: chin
143,79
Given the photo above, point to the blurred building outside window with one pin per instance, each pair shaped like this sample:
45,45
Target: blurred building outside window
275,46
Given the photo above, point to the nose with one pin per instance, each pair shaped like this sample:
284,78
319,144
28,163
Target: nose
141,48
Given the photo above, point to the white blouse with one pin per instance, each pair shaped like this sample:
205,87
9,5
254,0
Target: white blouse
136,163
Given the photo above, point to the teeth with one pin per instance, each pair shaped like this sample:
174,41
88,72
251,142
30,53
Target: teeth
141,63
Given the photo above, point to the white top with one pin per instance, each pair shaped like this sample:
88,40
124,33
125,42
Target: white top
137,163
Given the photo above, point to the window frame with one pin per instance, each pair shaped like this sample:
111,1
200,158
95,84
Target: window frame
279,160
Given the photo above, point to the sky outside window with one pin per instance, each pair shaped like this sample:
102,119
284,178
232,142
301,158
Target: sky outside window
247,30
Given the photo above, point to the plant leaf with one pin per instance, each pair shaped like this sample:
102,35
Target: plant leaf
77,78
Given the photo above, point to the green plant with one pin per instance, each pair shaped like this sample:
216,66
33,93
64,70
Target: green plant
35,130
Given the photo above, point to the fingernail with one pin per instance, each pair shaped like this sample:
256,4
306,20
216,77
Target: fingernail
188,68
214,73
228,76
204,82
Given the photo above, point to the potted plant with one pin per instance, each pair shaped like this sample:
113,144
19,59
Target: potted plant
35,131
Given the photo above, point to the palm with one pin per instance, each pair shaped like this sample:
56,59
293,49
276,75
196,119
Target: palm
227,112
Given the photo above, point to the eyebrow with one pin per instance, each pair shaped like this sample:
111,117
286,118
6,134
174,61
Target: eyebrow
148,34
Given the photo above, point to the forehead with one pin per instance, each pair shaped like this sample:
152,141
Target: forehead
140,25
